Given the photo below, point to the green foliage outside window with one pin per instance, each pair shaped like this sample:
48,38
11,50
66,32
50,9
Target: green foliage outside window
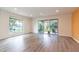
40,26
15,25
53,26
47,26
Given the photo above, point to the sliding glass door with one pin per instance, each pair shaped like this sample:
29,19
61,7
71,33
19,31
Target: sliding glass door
45,26
41,26
53,26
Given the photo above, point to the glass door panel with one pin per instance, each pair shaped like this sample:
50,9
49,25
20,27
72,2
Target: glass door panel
50,26
41,26
53,26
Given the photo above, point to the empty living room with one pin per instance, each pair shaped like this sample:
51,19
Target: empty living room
39,29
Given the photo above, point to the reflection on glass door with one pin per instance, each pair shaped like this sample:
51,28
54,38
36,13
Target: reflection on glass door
45,26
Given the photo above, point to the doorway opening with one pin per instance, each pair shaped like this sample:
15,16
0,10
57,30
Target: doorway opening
48,26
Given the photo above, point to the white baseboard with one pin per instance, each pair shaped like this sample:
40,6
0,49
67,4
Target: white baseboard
65,35
77,40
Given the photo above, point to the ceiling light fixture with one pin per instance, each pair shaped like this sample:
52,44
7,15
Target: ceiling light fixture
31,15
57,10
41,14
15,8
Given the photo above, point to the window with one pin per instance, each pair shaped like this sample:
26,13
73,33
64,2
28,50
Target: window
15,25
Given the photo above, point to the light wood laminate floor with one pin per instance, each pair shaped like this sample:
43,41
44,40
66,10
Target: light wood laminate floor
39,43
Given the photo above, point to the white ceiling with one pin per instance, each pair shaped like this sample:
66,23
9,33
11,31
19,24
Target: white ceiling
39,11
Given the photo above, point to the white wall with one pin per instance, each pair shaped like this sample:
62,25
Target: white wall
35,26
64,24
4,24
